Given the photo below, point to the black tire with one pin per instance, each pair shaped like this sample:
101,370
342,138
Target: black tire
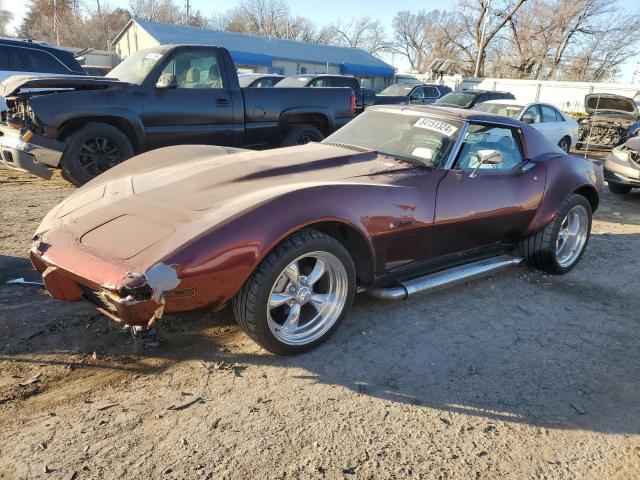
251,303
578,146
565,144
112,147
539,250
300,135
619,189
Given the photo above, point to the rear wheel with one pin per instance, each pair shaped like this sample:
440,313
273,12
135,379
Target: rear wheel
93,150
565,144
300,135
560,245
299,295
619,189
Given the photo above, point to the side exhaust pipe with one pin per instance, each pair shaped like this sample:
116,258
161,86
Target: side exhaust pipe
445,278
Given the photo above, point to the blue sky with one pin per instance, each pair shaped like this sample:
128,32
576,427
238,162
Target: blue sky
326,11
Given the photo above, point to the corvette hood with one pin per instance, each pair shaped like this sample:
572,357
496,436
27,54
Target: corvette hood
183,191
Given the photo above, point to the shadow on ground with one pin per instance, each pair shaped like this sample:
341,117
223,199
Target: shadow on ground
558,352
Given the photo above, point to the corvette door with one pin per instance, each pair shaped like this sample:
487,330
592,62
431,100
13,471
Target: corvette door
481,205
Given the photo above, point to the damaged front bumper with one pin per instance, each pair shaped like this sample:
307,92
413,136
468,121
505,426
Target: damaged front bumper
138,299
29,152
622,166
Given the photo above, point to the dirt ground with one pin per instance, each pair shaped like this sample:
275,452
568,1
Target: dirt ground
520,376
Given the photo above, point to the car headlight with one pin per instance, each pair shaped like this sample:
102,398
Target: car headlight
620,154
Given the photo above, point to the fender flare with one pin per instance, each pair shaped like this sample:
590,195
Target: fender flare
131,119
326,113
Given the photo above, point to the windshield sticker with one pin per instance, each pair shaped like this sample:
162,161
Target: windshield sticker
153,56
442,128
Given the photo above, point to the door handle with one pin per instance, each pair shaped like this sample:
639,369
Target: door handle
222,102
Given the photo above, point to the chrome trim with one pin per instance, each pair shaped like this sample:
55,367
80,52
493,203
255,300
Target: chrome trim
456,148
445,278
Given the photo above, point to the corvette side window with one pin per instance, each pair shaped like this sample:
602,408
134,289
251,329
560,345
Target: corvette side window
481,138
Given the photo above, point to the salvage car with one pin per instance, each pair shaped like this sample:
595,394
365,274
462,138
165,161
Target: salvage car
611,120
622,167
547,119
324,80
407,93
471,98
259,80
25,57
166,95
402,200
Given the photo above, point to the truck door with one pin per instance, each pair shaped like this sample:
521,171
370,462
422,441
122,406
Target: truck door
198,110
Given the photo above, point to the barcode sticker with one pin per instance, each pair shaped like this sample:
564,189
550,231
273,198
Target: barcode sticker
436,126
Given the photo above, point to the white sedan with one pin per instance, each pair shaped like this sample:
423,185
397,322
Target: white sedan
547,119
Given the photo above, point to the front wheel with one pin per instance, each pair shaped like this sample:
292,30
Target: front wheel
299,295
619,189
93,150
560,245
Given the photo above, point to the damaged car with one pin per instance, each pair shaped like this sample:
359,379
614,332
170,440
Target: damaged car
622,167
400,201
162,96
612,119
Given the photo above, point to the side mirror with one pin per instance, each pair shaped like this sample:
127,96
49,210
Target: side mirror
487,157
414,98
528,120
166,80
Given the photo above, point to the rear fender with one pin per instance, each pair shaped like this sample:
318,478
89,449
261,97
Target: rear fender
566,175
308,115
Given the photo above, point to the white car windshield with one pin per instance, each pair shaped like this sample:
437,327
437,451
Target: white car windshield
405,134
511,111
136,67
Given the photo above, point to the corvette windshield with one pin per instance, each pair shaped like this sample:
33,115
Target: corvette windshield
404,134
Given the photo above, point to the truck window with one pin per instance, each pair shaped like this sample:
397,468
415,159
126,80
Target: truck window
195,70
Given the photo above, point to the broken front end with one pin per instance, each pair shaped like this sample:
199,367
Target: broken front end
602,132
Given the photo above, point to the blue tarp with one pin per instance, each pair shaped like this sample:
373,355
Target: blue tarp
366,70
249,58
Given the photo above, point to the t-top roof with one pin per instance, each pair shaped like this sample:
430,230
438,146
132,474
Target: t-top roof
166,33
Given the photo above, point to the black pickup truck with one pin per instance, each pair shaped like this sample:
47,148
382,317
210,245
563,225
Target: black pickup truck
162,96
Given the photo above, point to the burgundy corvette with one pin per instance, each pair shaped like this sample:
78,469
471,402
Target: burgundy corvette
402,200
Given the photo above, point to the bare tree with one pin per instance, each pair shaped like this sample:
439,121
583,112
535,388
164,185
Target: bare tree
363,33
164,11
5,19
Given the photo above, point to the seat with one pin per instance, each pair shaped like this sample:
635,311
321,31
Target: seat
192,79
214,77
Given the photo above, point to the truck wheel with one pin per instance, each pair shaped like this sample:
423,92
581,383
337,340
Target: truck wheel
619,189
559,246
93,150
301,134
299,294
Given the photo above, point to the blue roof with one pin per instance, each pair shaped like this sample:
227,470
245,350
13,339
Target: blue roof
253,50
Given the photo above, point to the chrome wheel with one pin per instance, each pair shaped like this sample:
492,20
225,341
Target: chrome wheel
307,298
572,236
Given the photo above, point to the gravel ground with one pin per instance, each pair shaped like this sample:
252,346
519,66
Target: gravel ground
519,376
